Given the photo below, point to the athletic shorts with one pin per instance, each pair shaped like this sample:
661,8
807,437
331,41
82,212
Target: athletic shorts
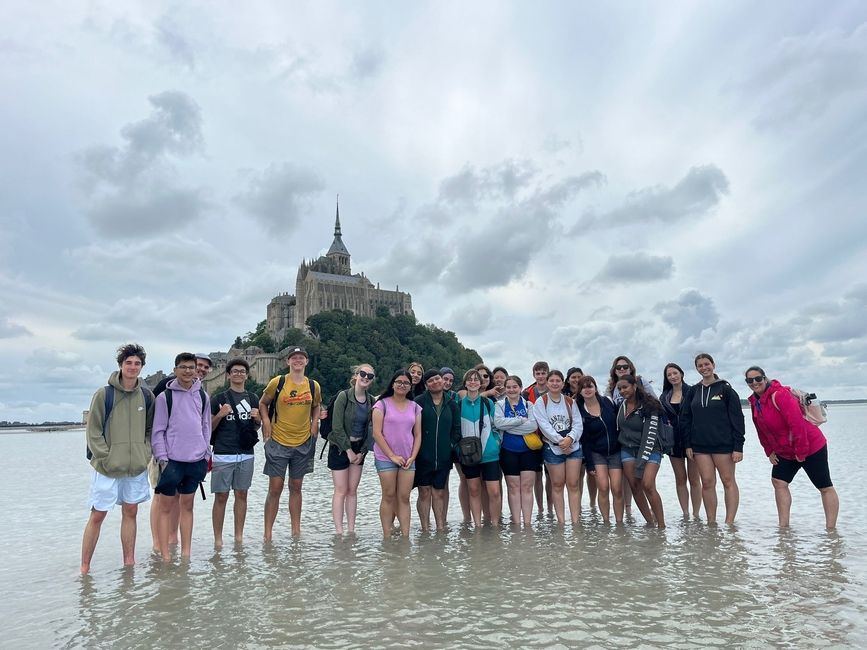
435,478
297,461
815,465
387,466
551,458
338,460
486,471
612,461
181,478
514,462
106,492
231,476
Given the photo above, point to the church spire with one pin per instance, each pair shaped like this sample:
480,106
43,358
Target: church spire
338,251
337,232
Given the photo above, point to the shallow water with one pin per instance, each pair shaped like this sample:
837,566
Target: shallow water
751,585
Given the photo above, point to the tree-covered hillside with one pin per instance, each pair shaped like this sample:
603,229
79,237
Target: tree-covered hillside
339,340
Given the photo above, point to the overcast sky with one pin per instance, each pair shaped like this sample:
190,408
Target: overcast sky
567,181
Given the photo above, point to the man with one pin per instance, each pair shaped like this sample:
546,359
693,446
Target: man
235,423
203,368
531,394
182,416
290,436
119,442
440,432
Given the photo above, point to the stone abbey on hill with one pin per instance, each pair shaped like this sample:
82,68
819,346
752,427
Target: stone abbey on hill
328,283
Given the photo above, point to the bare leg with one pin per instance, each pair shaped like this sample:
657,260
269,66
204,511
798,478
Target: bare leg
486,507
164,522
637,491
602,488
272,504
440,500
549,491
557,480
388,503
648,486
155,521
538,491
783,497
128,530
91,537
528,487
423,506
694,486
218,516
295,505
707,471
351,506
340,479
726,468
678,465
474,487
626,488
186,510
513,490
463,494
573,487
831,505
495,502
592,488
240,513
174,519
405,480
615,482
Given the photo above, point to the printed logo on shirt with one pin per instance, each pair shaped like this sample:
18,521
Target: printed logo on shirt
243,410
716,397
294,398
560,423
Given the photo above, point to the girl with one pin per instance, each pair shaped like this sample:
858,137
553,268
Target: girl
476,417
674,390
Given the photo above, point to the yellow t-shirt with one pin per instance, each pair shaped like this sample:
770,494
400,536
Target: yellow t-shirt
291,426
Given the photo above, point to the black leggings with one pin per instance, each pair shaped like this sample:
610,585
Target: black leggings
815,465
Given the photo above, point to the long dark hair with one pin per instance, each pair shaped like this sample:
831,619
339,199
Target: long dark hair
490,382
644,399
389,390
666,385
612,374
583,383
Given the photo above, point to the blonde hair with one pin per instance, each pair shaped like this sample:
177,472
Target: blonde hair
354,370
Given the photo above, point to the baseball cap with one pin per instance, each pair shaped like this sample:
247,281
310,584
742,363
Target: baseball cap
297,350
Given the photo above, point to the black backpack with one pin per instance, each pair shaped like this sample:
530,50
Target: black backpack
109,405
272,407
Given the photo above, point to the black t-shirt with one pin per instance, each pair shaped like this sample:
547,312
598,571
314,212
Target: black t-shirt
228,438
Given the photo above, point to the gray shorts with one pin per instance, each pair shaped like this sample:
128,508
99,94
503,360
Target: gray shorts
297,460
612,461
232,476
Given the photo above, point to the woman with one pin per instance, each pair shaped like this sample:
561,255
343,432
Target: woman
638,422
476,417
790,443
622,367
397,434
348,444
573,376
713,428
600,446
416,372
514,418
674,391
560,424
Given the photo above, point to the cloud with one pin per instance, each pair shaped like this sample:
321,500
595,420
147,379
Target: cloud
471,319
10,329
278,196
62,369
103,332
133,190
173,40
367,63
690,314
693,196
633,268
804,75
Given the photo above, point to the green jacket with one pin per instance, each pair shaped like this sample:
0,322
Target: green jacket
126,448
342,418
439,433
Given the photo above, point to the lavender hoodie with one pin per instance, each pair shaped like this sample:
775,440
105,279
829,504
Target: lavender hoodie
187,436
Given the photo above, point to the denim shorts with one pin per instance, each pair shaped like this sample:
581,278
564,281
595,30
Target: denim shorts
551,458
388,466
632,455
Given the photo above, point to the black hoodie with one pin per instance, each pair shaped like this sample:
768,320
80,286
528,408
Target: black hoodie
711,419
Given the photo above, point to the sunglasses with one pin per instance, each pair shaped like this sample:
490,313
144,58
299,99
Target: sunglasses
366,375
754,380
622,366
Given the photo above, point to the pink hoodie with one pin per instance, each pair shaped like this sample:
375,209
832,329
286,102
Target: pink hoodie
780,425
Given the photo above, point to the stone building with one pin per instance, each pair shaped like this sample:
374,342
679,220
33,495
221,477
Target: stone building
328,283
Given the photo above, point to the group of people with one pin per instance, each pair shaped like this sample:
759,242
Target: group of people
563,427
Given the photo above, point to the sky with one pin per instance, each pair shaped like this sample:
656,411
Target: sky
566,181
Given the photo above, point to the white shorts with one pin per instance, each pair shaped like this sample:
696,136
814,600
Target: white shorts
107,492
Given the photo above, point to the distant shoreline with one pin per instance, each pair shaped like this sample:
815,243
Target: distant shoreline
38,428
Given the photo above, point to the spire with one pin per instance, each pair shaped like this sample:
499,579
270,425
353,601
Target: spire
338,248
337,232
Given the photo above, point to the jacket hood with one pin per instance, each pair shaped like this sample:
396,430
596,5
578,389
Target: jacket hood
175,385
773,387
114,380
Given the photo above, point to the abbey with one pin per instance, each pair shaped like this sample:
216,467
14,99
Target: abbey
328,283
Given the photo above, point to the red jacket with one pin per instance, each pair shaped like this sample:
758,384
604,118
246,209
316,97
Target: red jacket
781,427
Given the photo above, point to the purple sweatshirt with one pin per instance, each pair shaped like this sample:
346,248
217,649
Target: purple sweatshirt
187,436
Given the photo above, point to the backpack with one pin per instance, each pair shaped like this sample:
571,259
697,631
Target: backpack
109,405
325,424
812,410
272,407
569,403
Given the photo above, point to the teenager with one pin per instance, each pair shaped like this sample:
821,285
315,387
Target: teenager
687,481
640,450
531,394
573,376
790,443
348,443
601,446
560,425
713,425
397,438
514,418
416,372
